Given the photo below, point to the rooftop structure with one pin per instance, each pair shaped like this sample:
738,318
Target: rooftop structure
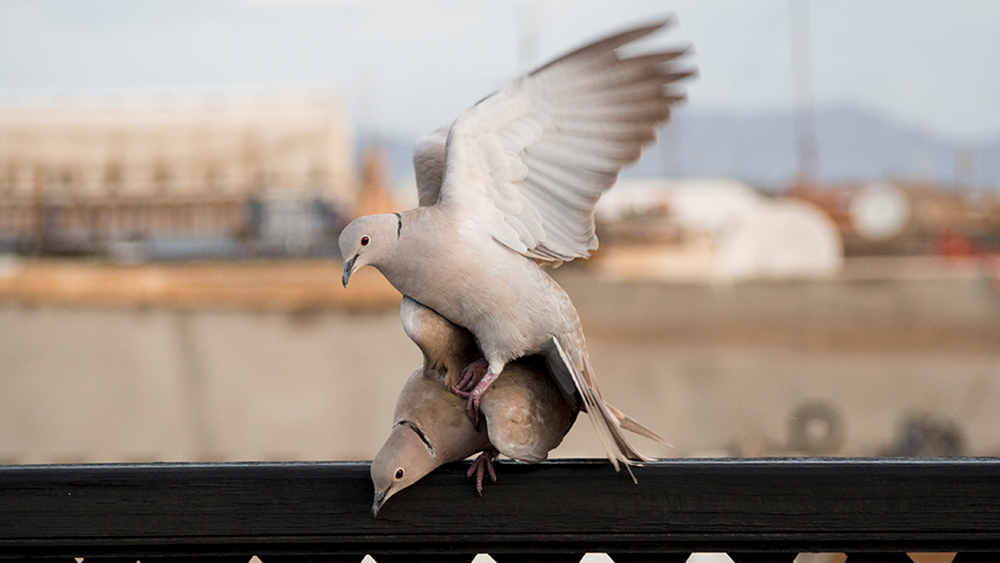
75,171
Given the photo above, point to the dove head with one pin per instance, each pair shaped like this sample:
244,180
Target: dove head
404,459
367,240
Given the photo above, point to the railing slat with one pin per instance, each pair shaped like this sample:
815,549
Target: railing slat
763,557
619,557
878,558
192,559
424,558
312,558
538,557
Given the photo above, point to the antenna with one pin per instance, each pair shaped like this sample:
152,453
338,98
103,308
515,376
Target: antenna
805,117
527,36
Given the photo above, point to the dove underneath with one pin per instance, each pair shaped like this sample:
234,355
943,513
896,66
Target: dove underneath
525,414
512,183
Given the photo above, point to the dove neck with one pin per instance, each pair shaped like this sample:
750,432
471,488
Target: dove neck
416,256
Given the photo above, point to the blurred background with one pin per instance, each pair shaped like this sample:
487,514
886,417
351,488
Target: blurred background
804,264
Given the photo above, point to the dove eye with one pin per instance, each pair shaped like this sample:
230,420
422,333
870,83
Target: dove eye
364,241
399,473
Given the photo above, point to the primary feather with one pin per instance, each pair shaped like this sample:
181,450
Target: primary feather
535,157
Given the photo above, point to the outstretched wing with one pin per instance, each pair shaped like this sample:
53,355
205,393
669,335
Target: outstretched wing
529,163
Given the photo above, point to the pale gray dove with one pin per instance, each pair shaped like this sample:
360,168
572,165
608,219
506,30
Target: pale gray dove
512,181
525,415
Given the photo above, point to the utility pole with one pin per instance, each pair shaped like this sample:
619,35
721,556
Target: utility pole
527,36
804,111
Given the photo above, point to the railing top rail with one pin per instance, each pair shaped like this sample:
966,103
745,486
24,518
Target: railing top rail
837,504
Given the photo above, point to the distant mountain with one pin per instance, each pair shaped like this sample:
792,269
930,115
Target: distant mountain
853,144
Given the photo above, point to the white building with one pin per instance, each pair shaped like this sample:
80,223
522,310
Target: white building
729,232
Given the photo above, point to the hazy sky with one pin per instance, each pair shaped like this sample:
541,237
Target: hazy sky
407,66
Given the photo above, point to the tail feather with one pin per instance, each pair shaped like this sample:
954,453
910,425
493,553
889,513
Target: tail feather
630,424
606,423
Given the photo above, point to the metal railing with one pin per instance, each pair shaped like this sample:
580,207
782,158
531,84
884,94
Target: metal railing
754,510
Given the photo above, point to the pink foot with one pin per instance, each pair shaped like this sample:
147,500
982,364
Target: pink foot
472,374
472,408
483,463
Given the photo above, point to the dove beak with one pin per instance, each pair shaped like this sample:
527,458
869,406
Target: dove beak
349,269
380,497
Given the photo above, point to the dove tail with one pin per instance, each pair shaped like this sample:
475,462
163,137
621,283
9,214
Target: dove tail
630,424
607,420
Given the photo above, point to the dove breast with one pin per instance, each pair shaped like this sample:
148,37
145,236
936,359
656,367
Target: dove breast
504,299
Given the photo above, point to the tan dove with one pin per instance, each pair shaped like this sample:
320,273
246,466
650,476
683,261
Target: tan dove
512,181
525,415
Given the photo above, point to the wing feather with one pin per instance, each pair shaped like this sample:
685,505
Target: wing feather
429,154
528,164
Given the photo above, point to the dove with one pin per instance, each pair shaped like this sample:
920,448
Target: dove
430,428
525,414
511,184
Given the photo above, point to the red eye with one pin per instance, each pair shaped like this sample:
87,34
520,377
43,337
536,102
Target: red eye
399,473
364,241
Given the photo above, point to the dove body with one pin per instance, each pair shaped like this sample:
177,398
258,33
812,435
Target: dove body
525,414
515,180
511,306
430,429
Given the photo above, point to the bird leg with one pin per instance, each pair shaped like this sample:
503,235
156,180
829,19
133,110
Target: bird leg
472,408
483,463
471,375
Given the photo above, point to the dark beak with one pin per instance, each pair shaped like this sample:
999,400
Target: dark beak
377,503
348,269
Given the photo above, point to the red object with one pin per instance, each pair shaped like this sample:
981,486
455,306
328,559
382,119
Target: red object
957,245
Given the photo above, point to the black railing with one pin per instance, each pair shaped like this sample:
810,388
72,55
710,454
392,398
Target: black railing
755,510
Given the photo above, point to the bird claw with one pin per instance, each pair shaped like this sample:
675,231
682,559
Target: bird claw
472,407
472,374
482,464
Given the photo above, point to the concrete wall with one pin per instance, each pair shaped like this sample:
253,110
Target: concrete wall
715,370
